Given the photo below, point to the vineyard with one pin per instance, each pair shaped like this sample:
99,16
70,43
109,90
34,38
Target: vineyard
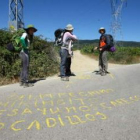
123,55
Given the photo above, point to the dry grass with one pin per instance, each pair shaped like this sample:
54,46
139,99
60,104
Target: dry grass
5,81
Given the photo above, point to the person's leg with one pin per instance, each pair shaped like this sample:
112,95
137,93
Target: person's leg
25,64
21,74
105,62
64,55
100,63
25,69
68,66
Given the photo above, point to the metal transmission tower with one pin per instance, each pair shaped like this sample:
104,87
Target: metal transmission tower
16,14
117,6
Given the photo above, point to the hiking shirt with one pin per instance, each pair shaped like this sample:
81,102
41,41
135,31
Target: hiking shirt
104,42
67,41
25,41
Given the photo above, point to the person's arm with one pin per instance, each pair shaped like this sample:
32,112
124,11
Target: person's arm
23,40
71,37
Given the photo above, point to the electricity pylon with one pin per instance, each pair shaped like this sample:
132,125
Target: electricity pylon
16,14
116,25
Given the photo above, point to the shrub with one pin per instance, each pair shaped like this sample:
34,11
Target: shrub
43,59
87,49
123,55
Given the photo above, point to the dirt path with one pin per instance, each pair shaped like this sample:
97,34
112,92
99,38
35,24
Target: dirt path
82,63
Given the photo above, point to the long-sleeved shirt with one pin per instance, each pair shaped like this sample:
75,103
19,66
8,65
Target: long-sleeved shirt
25,41
67,41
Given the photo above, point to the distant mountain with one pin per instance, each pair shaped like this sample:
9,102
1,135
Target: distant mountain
119,43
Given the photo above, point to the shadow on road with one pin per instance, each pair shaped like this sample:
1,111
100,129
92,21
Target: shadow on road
98,72
69,75
37,80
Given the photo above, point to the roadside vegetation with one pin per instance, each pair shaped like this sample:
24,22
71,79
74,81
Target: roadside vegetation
123,55
43,59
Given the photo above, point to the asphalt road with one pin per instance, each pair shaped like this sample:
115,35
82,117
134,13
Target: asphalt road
88,107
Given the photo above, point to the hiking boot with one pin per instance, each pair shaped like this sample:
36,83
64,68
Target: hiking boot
103,74
107,72
28,85
21,84
99,72
64,78
70,74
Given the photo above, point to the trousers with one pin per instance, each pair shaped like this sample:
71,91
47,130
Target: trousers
103,62
24,55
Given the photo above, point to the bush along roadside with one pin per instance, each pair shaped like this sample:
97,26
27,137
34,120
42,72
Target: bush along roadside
43,59
123,55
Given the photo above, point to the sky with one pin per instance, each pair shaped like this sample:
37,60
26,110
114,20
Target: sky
87,16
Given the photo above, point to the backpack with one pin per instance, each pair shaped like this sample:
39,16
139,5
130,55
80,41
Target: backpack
59,33
15,44
112,48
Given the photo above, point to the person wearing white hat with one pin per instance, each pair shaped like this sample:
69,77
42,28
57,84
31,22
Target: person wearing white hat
103,49
102,29
66,52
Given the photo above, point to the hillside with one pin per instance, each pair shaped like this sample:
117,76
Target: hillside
119,43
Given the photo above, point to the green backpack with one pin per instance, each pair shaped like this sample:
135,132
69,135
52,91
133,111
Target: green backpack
15,44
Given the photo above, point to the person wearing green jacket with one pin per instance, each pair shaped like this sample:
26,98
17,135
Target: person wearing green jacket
26,40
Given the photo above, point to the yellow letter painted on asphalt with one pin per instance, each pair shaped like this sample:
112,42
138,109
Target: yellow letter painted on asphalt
60,120
1,126
14,113
103,105
51,122
84,108
69,109
104,117
36,123
13,126
27,111
55,111
90,117
76,120
44,111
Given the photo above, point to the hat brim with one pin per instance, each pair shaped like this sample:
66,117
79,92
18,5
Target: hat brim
26,29
102,30
69,29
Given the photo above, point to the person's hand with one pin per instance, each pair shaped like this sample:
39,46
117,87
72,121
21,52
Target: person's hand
71,54
100,49
95,48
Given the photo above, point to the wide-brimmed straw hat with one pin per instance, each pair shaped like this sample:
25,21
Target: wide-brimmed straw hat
69,27
30,27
